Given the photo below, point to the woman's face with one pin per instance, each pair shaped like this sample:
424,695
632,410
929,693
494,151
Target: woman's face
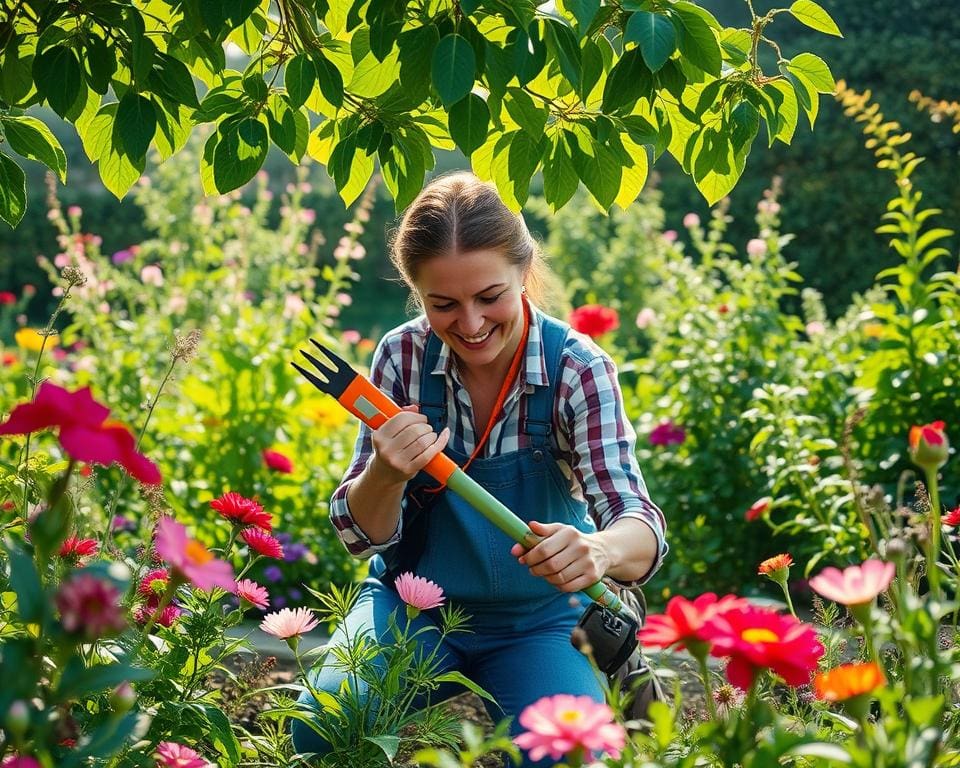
474,303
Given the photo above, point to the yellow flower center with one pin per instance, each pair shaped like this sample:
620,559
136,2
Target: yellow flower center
571,716
759,635
197,553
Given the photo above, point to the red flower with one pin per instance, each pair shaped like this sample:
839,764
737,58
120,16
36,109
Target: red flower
262,543
756,638
759,508
277,461
683,620
85,432
928,445
154,584
242,511
8,358
952,518
75,548
667,433
594,320
8,298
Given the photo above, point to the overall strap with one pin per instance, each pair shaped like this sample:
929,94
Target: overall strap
433,389
538,419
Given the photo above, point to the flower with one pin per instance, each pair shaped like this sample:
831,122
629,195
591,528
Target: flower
6,298
154,583
856,585
84,430
727,698
691,220
928,445
90,607
242,511
815,328
289,622
277,461
683,619
952,518
594,320
253,593
774,565
561,724
31,340
873,330
172,755
670,235
262,543
74,548
667,433
189,559
759,508
756,247
755,638
272,573
19,761
847,681
418,593
152,275
170,613
645,318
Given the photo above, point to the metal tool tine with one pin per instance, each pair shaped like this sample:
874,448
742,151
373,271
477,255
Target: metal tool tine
339,364
321,384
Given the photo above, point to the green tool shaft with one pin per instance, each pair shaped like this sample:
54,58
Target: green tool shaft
487,504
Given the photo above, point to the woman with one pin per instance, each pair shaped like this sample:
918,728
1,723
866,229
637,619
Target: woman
533,412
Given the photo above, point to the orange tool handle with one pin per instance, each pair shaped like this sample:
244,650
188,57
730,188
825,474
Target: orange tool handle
373,408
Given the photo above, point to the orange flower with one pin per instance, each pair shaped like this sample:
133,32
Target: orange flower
775,563
847,681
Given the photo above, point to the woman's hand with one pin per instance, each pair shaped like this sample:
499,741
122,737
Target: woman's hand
568,558
403,445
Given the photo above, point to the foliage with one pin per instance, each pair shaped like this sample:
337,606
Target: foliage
581,90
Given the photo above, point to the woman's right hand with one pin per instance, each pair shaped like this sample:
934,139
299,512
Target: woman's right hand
404,444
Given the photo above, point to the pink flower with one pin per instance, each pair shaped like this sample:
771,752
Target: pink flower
756,247
670,235
190,560
253,593
19,761
667,433
242,511
691,220
645,318
594,320
350,336
815,328
172,755
74,210
856,585
289,623
152,275
277,461
262,543
6,298
90,607
418,592
561,724
75,548
154,583
85,432
170,613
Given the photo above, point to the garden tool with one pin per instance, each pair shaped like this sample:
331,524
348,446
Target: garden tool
610,625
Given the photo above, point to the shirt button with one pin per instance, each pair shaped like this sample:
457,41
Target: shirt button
538,455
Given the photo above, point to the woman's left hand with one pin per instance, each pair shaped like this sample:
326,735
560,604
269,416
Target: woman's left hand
568,558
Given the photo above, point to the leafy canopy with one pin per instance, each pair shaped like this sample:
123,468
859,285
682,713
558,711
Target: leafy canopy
584,91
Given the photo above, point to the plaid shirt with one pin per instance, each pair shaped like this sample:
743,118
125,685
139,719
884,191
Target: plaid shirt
592,438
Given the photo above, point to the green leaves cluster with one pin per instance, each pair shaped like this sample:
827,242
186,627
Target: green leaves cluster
587,91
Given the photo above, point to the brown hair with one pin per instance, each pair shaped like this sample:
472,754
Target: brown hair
458,213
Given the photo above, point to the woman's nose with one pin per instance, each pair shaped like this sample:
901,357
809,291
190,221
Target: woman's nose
471,321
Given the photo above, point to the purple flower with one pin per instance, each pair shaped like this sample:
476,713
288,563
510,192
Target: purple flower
279,601
121,523
296,595
293,552
121,257
667,433
272,573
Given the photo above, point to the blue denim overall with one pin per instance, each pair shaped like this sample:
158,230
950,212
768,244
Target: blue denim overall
519,646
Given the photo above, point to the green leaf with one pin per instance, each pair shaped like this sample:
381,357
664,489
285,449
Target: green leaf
525,112
171,79
389,744
78,680
560,179
100,63
746,124
255,87
221,734
16,70
416,54
239,154
814,70
403,170
58,77
787,111
809,13
24,579
329,79
583,11
655,35
629,80
281,123
32,139
697,42
597,167
591,67
97,132
299,77
173,130
118,169
523,157
135,125
468,122
453,68
566,49
633,176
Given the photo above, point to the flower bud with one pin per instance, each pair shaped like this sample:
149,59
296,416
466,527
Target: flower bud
122,698
928,446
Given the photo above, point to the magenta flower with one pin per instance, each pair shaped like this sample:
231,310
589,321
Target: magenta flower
262,543
856,585
19,761
166,618
190,560
289,623
154,584
172,755
84,430
253,593
242,511
277,461
90,607
561,724
667,433
418,593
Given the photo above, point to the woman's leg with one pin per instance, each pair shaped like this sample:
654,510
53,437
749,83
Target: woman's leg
369,618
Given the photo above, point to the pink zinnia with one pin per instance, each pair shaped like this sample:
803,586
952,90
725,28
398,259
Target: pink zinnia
856,585
288,623
561,724
683,619
253,593
242,511
190,560
75,548
170,613
262,543
418,592
667,433
172,755
277,461
154,583
84,430
90,607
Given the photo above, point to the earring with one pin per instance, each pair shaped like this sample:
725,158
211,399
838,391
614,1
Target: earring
523,289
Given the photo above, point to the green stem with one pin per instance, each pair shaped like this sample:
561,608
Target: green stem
933,550
707,686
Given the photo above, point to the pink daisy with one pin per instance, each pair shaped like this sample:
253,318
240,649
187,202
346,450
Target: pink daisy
561,724
288,622
253,593
172,755
418,592
262,543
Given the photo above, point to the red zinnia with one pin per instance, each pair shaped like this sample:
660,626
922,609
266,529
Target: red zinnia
242,511
594,320
262,543
680,625
277,461
75,548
